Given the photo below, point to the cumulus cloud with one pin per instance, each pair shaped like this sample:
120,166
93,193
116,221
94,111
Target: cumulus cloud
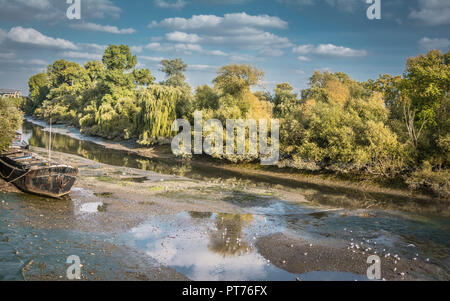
7,55
186,48
31,36
177,4
427,43
329,50
303,58
343,5
236,30
195,67
103,28
212,22
182,37
151,58
432,12
82,55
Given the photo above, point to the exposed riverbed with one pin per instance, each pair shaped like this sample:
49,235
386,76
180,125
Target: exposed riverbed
132,217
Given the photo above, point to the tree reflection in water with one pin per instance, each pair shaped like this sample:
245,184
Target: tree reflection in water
227,239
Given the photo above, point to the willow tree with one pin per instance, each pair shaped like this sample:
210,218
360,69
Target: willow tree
157,106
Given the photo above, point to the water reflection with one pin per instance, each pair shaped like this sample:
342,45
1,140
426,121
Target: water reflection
227,238
199,249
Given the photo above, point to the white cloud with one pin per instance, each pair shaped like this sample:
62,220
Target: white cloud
155,46
329,50
217,53
344,5
212,22
151,58
303,58
195,67
432,12
182,37
38,62
34,37
7,55
103,28
136,49
428,43
82,55
93,46
177,4
236,30
272,52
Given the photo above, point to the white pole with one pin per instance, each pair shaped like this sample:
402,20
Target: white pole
50,143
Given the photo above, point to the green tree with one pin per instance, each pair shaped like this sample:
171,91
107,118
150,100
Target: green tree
236,80
284,100
143,77
38,87
174,70
95,70
10,121
119,57
206,98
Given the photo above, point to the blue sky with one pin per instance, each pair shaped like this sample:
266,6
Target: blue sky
288,39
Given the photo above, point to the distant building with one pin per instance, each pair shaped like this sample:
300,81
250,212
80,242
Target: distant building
10,93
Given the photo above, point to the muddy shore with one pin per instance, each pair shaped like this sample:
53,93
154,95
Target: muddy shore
125,199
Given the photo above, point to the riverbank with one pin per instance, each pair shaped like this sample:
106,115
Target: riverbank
151,226
325,189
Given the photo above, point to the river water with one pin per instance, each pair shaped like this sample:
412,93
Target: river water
204,246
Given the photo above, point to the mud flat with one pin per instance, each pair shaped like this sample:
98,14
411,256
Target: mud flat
300,257
134,224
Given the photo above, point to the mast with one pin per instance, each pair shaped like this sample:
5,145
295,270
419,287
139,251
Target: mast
50,143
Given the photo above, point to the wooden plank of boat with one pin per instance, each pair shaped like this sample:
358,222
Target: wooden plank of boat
51,180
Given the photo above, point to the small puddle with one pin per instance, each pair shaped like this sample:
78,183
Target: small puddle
93,207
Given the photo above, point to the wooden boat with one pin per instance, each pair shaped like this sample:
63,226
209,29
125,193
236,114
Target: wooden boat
33,174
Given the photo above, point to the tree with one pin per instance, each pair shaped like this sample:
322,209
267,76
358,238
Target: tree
143,77
284,100
206,98
174,72
38,87
95,70
236,80
418,104
10,121
119,57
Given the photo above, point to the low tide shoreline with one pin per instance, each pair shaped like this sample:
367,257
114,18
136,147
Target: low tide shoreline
359,194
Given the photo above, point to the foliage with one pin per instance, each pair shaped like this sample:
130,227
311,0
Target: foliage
174,72
385,127
119,57
10,121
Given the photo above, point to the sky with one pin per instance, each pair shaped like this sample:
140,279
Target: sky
288,39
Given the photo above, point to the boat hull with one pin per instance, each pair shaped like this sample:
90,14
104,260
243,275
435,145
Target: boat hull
51,181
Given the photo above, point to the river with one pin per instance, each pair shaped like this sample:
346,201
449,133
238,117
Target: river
242,245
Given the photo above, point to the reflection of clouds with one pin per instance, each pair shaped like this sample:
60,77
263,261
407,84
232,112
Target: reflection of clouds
186,248
145,231
90,207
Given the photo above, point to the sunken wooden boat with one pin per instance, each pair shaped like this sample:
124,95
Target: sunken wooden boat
33,174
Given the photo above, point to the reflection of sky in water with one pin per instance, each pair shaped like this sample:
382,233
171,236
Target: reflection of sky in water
90,207
183,245
221,246
192,247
